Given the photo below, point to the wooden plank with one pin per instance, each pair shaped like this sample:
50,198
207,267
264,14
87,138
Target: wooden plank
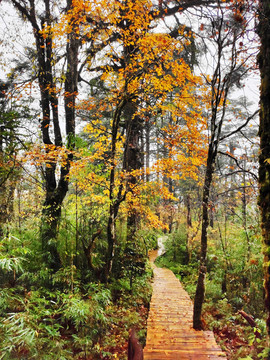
170,334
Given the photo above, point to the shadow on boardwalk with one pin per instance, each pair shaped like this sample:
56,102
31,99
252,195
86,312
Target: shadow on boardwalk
169,327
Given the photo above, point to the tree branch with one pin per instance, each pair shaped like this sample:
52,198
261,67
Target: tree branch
240,127
238,165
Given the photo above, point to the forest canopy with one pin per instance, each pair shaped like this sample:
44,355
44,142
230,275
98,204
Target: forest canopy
122,122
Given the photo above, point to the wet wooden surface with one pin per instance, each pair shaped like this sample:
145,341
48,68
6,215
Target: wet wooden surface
169,327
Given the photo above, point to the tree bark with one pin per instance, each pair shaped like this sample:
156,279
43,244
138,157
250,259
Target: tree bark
133,162
189,220
200,289
71,82
114,202
264,132
56,190
147,148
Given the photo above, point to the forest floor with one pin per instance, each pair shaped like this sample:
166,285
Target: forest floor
169,327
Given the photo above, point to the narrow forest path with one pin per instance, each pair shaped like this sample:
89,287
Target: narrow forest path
169,327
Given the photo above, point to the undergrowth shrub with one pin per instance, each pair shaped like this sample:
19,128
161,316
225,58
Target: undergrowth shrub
59,316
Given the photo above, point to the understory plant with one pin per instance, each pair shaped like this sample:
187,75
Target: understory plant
60,315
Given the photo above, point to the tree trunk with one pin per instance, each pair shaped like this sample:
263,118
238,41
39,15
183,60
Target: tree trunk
147,149
220,87
200,290
189,225
133,162
189,220
51,213
71,82
114,202
110,241
264,132
55,190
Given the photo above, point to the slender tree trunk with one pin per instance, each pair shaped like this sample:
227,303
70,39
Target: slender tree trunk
114,202
200,290
147,149
3,188
189,220
244,197
142,155
220,87
189,224
233,178
244,208
71,82
264,132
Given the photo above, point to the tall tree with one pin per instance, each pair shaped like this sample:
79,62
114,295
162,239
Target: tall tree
227,26
264,132
100,30
56,189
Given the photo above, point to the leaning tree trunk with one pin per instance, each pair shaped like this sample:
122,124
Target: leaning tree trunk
264,132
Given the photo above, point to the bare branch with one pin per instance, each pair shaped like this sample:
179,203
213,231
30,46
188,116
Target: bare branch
240,127
238,165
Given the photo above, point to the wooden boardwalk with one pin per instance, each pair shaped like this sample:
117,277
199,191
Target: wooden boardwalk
169,327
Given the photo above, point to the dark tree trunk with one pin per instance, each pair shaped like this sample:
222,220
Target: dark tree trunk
220,87
71,82
114,202
264,132
133,162
142,155
189,224
200,290
244,196
189,220
55,190
132,153
48,231
147,149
